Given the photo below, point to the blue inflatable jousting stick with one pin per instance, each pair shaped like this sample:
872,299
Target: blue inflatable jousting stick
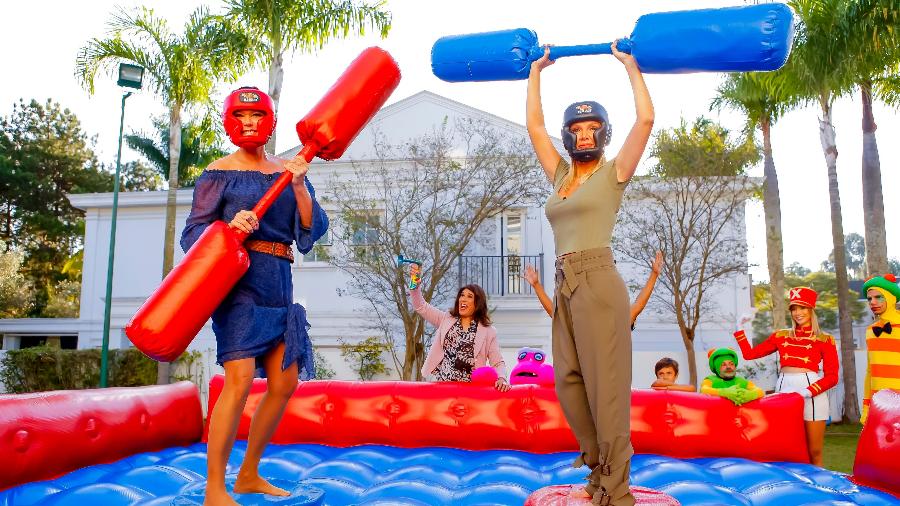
732,39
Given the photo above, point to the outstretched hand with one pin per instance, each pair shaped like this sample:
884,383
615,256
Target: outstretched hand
531,276
743,320
657,263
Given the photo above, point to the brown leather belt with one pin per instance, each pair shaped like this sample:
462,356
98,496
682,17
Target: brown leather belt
272,248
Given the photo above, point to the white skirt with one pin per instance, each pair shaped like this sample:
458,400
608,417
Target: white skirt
815,409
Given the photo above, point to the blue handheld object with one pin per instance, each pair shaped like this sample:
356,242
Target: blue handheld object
732,39
415,271
401,260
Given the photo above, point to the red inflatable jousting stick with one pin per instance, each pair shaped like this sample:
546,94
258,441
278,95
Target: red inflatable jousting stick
167,321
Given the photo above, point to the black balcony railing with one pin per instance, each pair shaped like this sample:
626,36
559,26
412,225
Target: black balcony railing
500,274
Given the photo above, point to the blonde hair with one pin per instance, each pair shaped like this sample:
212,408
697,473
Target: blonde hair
813,321
570,177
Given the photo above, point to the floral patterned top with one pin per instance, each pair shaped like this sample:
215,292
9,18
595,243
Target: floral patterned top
459,354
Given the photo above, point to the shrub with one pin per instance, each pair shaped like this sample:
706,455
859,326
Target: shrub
365,357
43,368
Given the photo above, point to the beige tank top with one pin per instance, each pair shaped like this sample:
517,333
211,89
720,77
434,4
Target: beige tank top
585,219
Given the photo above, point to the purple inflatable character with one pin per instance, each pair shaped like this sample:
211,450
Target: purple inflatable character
531,369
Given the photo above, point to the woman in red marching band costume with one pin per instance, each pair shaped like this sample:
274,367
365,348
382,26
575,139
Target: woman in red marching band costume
257,326
800,349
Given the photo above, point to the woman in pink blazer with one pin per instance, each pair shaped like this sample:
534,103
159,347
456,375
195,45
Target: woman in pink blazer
465,339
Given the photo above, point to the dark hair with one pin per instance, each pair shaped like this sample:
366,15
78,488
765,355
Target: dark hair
666,362
481,311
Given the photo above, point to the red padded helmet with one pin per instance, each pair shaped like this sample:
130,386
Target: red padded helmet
248,98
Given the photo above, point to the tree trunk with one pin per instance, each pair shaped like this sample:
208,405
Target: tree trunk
162,370
687,337
873,198
774,244
276,77
848,345
7,232
409,361
420,359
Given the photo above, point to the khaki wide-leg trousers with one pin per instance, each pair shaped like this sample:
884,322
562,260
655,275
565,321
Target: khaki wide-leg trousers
592,364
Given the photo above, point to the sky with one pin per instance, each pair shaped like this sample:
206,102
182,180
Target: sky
48,34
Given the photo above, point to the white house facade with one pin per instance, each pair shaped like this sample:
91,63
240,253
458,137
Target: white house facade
518,316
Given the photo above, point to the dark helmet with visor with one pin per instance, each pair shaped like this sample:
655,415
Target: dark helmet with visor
586,111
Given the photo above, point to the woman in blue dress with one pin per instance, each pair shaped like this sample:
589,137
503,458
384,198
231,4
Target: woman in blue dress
257,326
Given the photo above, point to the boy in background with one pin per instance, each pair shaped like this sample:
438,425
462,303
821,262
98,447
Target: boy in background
667,374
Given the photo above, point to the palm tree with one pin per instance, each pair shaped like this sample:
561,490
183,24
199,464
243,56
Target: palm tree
199,147
750,94
286,26
182,70
873,31
818,72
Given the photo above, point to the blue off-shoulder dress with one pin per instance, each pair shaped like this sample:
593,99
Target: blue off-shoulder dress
259,312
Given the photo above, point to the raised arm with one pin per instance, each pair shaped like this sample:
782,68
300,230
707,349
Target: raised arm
641,301
531,276
630,154
750,352
431,314
534,118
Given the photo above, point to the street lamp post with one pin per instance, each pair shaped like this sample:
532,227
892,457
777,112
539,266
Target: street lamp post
130,76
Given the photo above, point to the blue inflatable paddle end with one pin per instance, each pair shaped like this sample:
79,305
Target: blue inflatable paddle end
503,55
731,39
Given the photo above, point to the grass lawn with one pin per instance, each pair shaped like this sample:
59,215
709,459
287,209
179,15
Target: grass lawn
840,447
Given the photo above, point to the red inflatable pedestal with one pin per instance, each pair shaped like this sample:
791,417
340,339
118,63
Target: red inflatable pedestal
570,495
527,417
877,462
46,434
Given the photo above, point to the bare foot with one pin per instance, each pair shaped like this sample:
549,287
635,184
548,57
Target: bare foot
218,498
257,485
579,493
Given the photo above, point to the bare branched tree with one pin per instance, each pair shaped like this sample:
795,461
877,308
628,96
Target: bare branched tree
691,209
424,199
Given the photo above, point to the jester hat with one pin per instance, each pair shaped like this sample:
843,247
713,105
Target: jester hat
886,285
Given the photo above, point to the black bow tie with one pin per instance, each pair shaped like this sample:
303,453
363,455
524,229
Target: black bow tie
878,330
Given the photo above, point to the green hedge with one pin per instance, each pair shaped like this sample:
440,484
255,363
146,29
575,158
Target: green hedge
44,368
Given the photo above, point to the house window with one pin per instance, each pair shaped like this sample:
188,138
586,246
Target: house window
63,342
364,235
512,249
513,234
321,250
